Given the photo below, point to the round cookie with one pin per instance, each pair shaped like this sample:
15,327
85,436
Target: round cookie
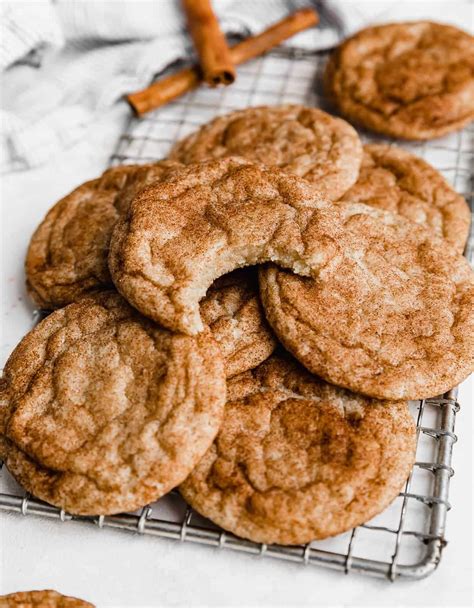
102,411
391,314
297,459
41,599
67,255
303,141
86,218
411,80
180,235
232,310
395,180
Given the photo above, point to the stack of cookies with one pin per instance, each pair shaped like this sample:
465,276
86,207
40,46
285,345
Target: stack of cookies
248,318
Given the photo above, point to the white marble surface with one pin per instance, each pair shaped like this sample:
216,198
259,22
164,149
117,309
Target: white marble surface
117,569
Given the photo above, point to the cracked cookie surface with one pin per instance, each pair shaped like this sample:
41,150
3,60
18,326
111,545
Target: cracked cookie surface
67,255
391,314
209,219
41,599
234,314
304,141
391,178
297,459
412,80
102,411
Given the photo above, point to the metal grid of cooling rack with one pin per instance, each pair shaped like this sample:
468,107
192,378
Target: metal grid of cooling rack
406,540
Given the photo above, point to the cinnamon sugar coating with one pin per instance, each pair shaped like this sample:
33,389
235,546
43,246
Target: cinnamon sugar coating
102,411
232,310
303,141
411,80
67,255
73,242
209,219
391,313
41,599
297,459
393,179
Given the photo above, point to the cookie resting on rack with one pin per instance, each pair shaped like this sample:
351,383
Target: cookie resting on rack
393,179
67,259
41,599
180,235
67,255
102,411
233,312
297,459
304,141
390,314
411,80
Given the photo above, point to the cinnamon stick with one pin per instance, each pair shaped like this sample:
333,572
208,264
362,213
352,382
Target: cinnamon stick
171,87
215,61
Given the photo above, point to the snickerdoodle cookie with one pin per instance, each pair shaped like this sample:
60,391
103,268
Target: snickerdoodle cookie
390,314
235,317
103,411
181,234
411,80
41,599
393,179
300,140
297,459
67,255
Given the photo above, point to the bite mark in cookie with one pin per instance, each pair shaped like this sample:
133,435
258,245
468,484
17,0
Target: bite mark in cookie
391,315
209,219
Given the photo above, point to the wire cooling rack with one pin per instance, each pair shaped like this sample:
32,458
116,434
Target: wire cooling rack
406,540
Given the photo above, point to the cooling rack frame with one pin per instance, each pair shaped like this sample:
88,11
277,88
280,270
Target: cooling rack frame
291,75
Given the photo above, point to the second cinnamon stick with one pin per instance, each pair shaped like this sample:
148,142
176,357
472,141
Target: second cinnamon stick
215,59
171,87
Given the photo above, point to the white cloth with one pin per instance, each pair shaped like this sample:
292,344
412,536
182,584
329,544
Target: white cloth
25,27
78,58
